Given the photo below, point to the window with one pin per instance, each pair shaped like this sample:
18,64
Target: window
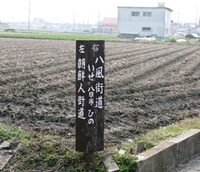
146,29
146,14
135,13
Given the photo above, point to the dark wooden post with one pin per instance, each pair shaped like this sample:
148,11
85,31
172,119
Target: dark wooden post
90,85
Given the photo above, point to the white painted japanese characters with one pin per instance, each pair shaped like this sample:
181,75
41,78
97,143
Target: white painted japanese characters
90,88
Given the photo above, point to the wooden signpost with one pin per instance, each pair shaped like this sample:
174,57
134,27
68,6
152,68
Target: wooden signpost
90,85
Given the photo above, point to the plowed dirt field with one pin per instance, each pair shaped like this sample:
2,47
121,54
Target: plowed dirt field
147,85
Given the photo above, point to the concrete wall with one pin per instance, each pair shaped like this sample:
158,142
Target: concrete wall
170,153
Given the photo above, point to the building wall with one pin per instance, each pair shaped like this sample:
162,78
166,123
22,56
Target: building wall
159,22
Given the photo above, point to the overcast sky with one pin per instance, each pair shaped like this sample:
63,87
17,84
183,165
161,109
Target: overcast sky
88,11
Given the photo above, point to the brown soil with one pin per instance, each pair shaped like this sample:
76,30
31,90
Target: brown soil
148,85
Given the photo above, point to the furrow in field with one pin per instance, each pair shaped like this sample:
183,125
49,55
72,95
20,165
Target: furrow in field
152,86
117,45
130,56
130,48
144,72
162,99
41,88
34,44
36,72
130,52
34,58
128,63
136,48
39,117
23,68
19,54
194,68
51,94
177,70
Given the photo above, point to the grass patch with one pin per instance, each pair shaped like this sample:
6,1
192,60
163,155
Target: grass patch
46,152
187,41
154,137
53,35
126,163
12,133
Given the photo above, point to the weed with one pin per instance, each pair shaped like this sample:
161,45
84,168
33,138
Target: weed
172,39
183,114
126,163
9,132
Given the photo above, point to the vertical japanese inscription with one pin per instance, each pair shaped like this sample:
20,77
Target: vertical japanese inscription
90,87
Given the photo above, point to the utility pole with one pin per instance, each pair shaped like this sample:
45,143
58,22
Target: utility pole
99,23
74,21
88,18
178,16
196,16
29,15
199,21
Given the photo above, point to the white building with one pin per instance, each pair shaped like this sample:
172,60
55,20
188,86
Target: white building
144,21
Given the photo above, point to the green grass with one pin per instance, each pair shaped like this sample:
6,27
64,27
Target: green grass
188,41
154,137
9,132
46,151
79,36
53,35
126,163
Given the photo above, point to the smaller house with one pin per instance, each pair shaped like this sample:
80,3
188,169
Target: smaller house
109,25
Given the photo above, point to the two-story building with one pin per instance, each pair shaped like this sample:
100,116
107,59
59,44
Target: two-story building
144,21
